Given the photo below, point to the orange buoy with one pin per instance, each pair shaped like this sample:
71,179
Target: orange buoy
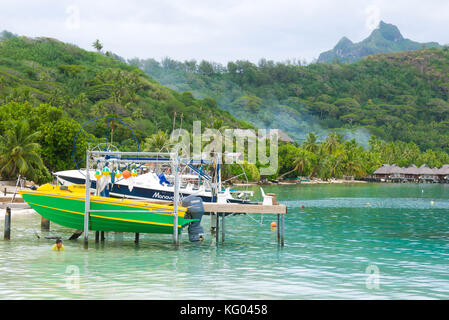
126,174
273,225
303,207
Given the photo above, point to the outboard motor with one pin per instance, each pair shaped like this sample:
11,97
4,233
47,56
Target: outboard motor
195,210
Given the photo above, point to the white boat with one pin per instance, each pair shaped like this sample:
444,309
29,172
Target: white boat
151,186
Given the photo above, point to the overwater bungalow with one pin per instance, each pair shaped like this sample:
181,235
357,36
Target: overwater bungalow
383,173
426,174
395,173
411,173
442,174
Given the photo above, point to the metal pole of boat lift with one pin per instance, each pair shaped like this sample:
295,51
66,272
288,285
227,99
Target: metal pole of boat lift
218,189
176,199
215,199
278,226
87,202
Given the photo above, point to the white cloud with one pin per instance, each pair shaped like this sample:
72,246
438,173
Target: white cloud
220,30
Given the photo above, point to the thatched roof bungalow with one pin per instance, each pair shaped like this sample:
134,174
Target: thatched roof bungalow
383,172
395,169
425,170
412,173
396,172
385,169
443,171
425,173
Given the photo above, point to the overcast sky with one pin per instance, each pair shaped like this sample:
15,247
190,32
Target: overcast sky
221,30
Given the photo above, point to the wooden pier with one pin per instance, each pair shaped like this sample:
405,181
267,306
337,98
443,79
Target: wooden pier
222,210
13,201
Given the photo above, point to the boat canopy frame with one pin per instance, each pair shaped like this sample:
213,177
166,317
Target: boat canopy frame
173,158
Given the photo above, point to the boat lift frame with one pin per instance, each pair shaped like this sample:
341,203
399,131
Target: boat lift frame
169,157
219,210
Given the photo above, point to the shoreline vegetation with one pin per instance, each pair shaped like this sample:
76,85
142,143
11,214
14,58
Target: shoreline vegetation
48,88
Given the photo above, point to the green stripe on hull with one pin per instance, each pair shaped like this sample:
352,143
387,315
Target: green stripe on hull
69,212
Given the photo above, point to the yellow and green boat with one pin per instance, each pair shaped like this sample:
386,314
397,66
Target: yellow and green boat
66,207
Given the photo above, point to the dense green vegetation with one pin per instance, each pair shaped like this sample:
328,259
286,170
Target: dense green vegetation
397,97
336,157
54,87
48,88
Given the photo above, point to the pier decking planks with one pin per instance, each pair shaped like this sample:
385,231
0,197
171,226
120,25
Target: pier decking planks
220,210
244,208
237,207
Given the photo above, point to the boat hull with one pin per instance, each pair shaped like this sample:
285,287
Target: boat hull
137,192
68,211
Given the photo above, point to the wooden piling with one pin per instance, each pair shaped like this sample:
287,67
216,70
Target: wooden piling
102,236
213,222
223,227
217,227
4,192
7,234
45,224
136,239
97,236
278,227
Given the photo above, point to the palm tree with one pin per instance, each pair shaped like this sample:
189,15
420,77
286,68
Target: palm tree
318,160
302,163
311,143
19,151
158,142
332,142
97,45
334,162
352,161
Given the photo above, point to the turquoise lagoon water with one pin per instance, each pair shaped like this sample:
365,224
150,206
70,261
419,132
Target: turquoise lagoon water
356,241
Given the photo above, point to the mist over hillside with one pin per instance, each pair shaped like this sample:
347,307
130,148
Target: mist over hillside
263,109
397,96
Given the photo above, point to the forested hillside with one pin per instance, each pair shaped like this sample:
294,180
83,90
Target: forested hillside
399,96
48,88
51,87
